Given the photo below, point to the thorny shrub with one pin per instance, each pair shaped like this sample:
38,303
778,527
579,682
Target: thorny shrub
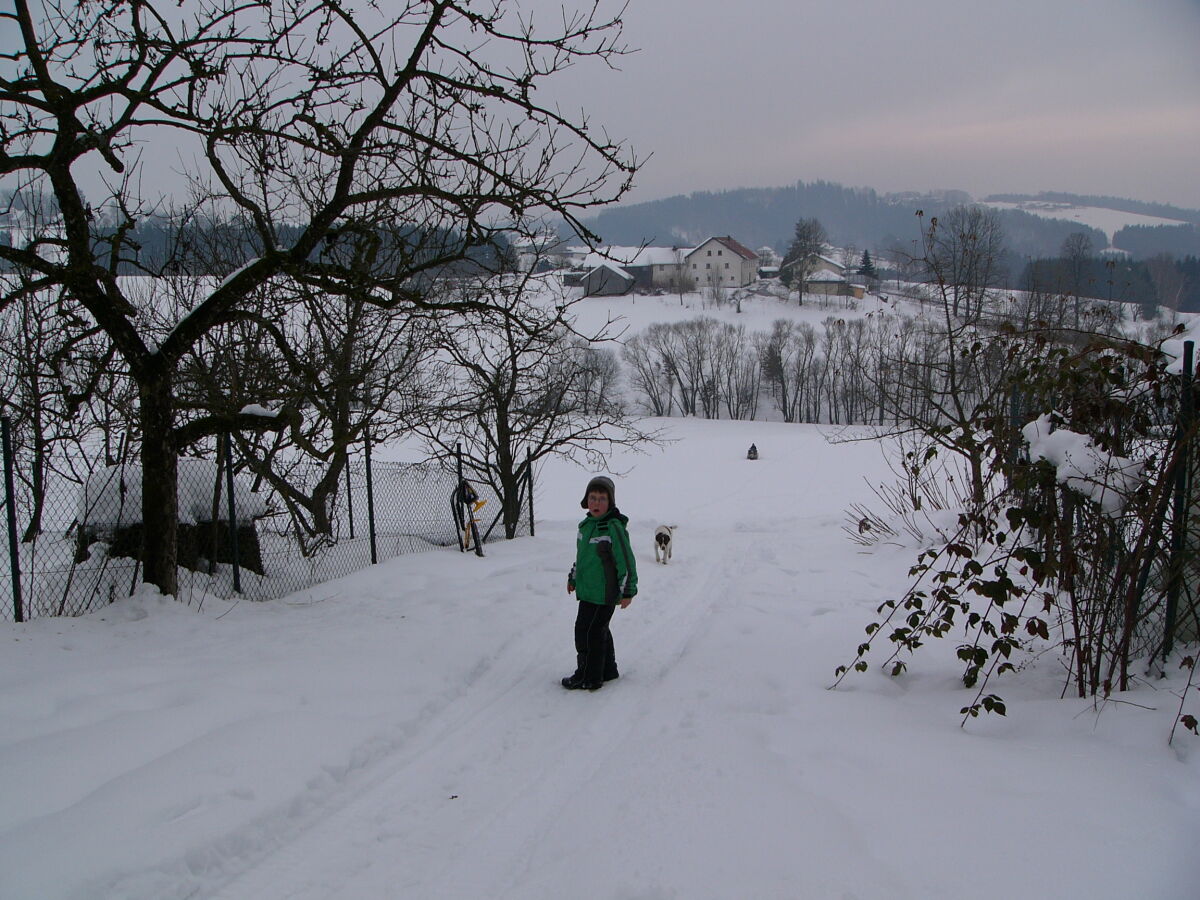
1068,562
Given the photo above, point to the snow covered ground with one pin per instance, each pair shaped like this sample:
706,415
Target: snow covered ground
401,733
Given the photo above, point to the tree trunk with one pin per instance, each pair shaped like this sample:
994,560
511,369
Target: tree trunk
160,477
506,470
510,503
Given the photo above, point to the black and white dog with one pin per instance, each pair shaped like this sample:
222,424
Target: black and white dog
662,543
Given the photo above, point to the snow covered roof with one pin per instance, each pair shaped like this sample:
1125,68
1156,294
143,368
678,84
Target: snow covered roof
634,256
825,275
825,262
612,267
726,241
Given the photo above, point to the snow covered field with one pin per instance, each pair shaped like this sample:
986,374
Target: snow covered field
402,733
1110,221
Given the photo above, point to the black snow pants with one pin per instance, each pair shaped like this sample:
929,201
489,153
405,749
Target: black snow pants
593,642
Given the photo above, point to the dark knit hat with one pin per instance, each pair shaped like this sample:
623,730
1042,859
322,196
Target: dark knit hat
598,484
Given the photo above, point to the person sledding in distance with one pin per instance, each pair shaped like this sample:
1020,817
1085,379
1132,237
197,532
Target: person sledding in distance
604,575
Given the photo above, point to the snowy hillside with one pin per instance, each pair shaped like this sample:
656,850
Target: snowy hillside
1110,221
401,733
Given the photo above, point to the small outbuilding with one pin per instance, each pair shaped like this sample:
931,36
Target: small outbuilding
607,280
832,284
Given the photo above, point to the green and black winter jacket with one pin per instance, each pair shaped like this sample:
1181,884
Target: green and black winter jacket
604,569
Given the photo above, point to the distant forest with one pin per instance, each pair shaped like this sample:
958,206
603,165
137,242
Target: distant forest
1163,264
1145,241
157,245
1161,280
858,217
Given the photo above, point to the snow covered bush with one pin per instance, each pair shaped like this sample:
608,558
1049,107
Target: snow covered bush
1070,547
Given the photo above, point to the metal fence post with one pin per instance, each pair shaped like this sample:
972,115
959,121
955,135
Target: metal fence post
529,482
459,501
233,527
10,503
1179,500
349,498
370,495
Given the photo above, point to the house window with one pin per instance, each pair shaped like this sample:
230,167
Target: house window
693,266
718,253
710,253
708,265
727,265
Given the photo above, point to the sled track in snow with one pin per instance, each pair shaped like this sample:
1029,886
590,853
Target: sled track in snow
443,779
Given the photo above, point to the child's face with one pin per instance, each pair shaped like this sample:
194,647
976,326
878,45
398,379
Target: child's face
597,503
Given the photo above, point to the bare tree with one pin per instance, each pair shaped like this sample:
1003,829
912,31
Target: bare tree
515,388
598,374
649,373
1076,253
786,355
333,366
767,256
945,381
61,390
323,124
962,255
698,383
739,374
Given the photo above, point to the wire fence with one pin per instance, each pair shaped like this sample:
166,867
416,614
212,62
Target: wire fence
77,547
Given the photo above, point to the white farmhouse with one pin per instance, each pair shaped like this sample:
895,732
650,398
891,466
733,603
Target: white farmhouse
721,262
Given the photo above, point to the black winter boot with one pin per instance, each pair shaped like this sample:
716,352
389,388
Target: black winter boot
576,683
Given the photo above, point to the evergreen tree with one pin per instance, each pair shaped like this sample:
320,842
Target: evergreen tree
867,267
807,245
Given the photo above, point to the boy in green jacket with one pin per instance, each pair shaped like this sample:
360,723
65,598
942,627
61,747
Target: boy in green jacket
604,575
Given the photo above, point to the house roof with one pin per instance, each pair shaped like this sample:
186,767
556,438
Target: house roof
633,256
612,267
825,275
824,264
738,248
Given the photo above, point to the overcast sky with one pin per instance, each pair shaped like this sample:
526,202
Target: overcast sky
1099,97
1086,96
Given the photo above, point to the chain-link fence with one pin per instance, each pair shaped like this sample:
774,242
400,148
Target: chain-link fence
77,546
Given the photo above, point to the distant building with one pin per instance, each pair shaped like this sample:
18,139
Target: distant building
833,284
719,260
817,263
652,268
722,262
607,280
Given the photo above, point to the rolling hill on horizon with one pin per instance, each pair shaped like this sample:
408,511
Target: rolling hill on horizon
1034,224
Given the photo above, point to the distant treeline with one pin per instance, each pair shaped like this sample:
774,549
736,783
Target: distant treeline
160,246
1160,280
852,217
1143,241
